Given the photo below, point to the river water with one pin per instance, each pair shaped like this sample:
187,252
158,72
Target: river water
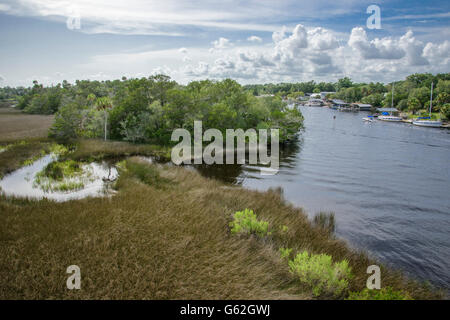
388,184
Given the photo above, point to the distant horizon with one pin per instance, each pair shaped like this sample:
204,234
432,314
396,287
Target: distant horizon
246,84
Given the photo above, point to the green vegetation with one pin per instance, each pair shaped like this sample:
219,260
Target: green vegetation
63,176
16,155
165,234
387,293
94,149
139,169
285,252
149,109
247,223
159,240
320,273
411,94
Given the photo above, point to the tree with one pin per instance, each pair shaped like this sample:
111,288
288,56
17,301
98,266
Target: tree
445,111
344,83
414,105
104,103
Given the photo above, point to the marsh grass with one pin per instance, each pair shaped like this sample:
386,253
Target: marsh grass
325,221
94,149
21,153
149,242
15,125
68,175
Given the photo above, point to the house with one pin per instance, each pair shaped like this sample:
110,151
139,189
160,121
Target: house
338,103
363,106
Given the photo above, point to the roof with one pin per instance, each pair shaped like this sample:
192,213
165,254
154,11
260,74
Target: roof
387,109
363,105
338,101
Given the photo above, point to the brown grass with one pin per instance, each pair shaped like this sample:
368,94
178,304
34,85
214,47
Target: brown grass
15,125
96,149
17,152
167,239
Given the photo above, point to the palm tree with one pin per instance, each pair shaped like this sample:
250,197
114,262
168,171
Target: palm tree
104,103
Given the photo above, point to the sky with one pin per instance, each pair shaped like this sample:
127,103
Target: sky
264,41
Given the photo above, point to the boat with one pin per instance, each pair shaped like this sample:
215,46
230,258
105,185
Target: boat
368,119
387,115
426,121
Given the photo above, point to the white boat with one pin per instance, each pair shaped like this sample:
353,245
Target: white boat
427,122
368,119
389,116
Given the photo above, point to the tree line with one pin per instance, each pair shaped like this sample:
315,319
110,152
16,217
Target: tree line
411,94
149,109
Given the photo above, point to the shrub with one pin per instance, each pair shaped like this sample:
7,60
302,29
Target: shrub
320,273
63,176
387,293
285,252
246,222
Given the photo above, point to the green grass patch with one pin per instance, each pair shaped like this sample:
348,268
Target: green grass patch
285,252
246,222
320,273
387,293
63,176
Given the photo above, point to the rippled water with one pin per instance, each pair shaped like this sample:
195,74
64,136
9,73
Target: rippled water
388,184
20,182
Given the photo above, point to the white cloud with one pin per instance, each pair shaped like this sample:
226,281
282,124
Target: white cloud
406,48
4,7
385,48
221,43
322,39
182,50
254,39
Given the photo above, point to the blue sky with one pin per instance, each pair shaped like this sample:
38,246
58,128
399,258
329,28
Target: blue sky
250,41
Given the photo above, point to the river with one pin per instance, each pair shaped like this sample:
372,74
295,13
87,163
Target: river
388,184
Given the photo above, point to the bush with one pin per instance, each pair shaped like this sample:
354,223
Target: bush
445,110
285,252
320,273
63,176
246,222
387,293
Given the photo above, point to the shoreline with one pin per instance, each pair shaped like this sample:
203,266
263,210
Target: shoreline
212,196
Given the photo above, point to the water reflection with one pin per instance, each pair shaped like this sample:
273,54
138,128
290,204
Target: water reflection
237,173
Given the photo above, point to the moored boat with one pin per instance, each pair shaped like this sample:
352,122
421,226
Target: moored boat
426,121
387,114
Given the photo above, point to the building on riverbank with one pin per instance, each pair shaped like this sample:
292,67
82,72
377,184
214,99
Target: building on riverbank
363,106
